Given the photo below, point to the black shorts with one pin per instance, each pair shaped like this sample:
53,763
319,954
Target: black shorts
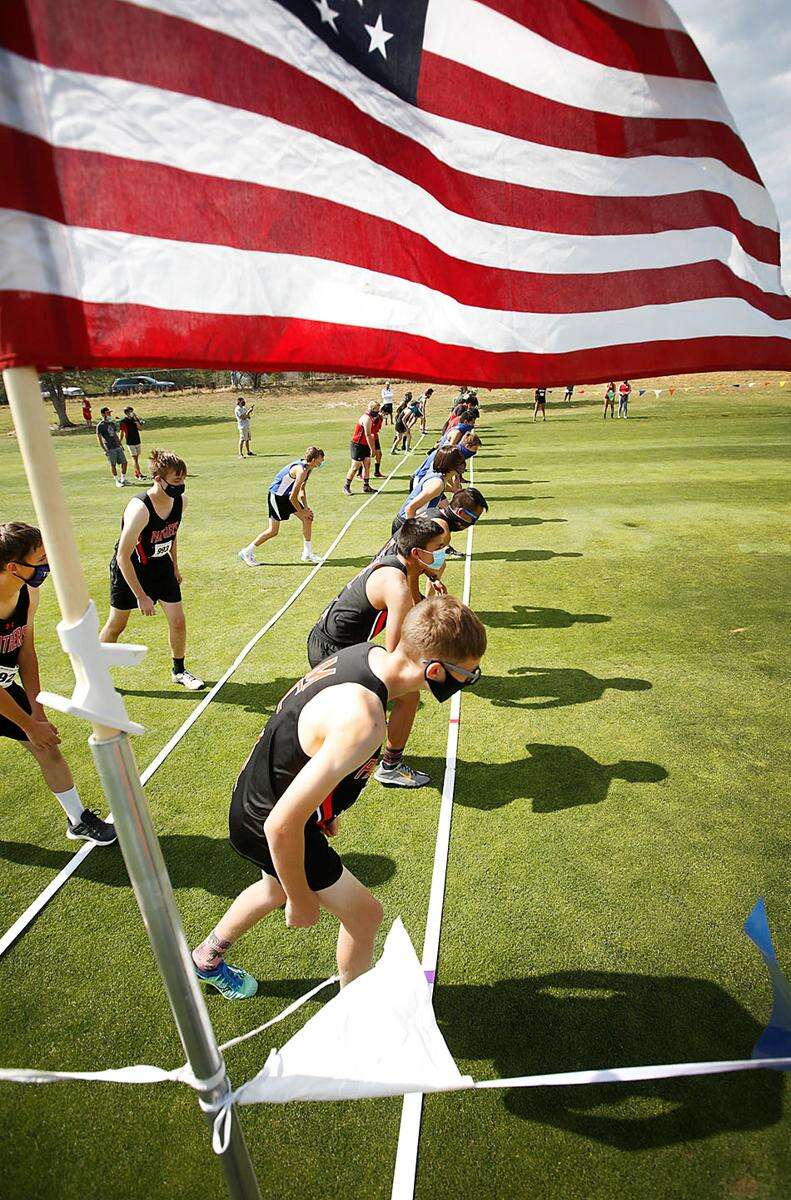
280,507
319,646
360,451
158,583
387,409
323,865
9,729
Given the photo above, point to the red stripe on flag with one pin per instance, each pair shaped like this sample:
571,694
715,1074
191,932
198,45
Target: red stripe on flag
461,93
245,78
102,192
45,331
607,39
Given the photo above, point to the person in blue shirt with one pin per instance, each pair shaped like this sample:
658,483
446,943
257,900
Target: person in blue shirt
287,497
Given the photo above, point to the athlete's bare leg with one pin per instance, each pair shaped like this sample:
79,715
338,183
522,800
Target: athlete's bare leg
54,767
116,623
402,718
307,527
250,907
177,627
272,530
360,915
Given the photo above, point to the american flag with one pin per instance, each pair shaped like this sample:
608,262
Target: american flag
506,192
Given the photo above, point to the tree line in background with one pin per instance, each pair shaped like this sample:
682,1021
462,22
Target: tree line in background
97,383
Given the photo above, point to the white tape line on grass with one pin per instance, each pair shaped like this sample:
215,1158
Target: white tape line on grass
30,913
412,1111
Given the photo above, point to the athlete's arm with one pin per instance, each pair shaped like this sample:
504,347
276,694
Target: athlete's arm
388,588
298,497
135,521
101,440
38,729
432,489
348,743
369,437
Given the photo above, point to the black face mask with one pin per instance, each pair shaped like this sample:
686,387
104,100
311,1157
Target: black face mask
449,686
40,573
173,489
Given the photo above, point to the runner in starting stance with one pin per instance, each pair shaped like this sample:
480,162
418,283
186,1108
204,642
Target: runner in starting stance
363,447
23,569
311,763
287,496
144,569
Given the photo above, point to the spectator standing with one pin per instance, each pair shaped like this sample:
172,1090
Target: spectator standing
243,413
130,427
624,392
387,404
110,442
87,415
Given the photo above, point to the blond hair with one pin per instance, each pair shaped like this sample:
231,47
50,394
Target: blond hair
164,460
441,627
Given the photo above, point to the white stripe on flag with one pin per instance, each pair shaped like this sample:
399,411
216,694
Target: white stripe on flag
477,36
101,267
113,116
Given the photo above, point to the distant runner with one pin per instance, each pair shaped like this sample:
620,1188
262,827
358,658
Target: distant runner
569,396
287,497
363,448
129,429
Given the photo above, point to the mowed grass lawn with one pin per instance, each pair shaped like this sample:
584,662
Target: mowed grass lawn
622,800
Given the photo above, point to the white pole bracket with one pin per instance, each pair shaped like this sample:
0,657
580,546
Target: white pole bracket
94,697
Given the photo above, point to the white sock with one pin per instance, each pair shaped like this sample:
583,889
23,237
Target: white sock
308,546
71,804
250,549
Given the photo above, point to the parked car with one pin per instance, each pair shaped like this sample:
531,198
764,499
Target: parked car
140,383
71,392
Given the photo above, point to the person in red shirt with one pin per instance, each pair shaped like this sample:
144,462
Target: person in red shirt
624,392
87,415
377,421
363,447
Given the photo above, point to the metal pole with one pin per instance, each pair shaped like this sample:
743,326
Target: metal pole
121,784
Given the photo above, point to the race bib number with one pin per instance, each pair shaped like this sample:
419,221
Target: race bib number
7,676
162,549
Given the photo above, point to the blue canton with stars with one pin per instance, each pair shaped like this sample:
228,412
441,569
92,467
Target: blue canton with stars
381,38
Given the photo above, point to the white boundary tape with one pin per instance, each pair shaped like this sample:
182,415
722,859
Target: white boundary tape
411,1114
31,912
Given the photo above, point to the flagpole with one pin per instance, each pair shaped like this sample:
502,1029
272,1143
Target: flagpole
118,772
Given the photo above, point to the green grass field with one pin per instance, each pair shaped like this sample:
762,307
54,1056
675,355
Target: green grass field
622,800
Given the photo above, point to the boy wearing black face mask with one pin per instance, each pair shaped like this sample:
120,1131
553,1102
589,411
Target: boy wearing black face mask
23,568
311,763
144,568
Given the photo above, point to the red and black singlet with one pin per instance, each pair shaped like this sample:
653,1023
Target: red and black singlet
351,617
12,635
157,536
278,757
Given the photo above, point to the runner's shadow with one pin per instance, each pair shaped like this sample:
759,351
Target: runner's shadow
253,697
551,687
526,521
193,861
529,616
552,778
577,1020
525,555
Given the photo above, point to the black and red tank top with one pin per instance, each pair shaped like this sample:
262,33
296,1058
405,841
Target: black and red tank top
352,618
157,537
359,433
278,757
12,635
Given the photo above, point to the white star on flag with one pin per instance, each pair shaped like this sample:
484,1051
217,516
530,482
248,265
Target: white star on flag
379,37
327,14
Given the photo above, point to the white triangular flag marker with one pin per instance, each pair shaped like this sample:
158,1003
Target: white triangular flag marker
377,1037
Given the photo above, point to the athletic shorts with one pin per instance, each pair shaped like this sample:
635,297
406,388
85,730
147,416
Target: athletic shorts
9,729
134,447
387,409
360,451
319,646
244,429
280,507
323,865
158,583
116,457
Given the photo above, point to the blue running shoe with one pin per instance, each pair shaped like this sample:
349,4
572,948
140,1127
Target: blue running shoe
234,983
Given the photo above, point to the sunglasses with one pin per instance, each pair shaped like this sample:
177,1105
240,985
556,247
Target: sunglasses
469,677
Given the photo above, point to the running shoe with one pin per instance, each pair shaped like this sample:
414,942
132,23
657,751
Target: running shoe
401,775
378,475
91,828
120,483
234,983
452,552
249,558
367,488
187,680
347,491
310,557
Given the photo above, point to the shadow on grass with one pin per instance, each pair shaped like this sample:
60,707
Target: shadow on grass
526,521
552,687
507,499
552,778
524,555
577,1020
253,697
529,616
193,861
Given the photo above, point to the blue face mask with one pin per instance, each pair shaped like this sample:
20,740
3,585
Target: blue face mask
437,559
40,573
467,453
